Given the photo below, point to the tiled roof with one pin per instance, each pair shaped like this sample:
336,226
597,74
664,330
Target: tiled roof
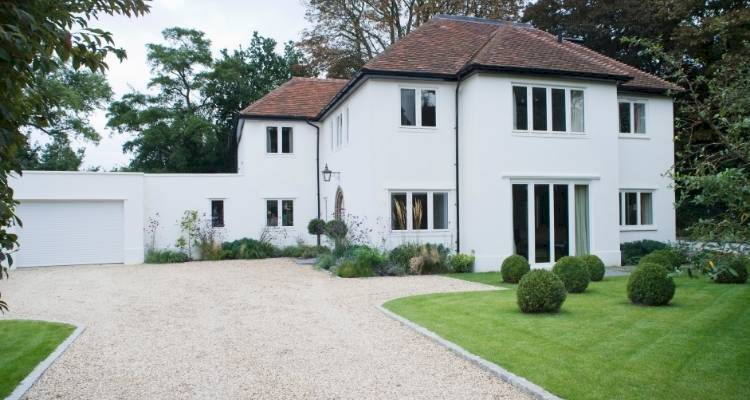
296,98
448,45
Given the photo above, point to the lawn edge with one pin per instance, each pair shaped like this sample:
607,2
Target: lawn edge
39,370
516,381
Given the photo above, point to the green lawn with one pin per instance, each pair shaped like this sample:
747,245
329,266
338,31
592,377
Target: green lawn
600,346
23,344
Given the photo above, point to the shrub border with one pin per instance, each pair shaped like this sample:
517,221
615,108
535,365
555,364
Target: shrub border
514,380
30,379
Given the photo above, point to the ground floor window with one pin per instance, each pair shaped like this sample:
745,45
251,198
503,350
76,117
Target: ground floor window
419,210
217,213
636,208
276,208
550,220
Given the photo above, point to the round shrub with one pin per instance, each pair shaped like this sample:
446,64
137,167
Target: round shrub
336,229
651,285
738,273
540,291
660,257
595,266
573,272
514,268
316,227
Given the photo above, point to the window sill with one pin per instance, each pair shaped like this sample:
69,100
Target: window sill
417,128
556,135
280,154
404,231
638,136
637,228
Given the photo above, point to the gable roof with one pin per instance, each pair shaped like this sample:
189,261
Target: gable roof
449,47
297,98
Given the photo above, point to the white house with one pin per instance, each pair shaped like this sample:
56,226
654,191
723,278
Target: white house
486,136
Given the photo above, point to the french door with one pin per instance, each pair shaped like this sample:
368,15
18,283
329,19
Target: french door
550,220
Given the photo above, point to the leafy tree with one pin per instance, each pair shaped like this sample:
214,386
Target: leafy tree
695,29
36,36
346,34
68,98
58,155
175,133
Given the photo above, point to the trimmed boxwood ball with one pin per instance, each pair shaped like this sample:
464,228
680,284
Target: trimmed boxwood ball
739,264
514,268
540,291
660,257
651,285
573,272
595,266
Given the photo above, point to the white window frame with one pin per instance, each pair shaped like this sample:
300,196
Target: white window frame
280,218
631,101
409,211
418,108
638,226
279,138
530,131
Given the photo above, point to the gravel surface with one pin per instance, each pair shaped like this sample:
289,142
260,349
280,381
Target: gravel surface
240,329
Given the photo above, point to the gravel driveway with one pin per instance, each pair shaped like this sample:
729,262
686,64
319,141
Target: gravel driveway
239,329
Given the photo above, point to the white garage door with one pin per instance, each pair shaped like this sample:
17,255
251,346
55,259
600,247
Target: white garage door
70,232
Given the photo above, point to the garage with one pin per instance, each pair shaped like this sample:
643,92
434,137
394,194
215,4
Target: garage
68,232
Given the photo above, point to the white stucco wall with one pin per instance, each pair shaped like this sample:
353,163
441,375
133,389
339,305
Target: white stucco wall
644,163
381,156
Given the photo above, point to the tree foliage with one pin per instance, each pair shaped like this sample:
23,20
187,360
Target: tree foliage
187,125
57,155
36,37
346,34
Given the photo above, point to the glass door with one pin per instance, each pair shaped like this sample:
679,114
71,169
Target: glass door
550,220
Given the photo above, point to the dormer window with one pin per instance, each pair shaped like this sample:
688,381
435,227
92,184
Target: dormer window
273,140
418,111
632,115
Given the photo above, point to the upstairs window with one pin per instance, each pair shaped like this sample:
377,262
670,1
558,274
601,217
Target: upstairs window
636,208
632,116
217,213
557,110
427,115
273,140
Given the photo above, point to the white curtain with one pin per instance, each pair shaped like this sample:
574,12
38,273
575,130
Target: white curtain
582,219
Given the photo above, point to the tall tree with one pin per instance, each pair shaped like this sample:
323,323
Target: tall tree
174,130
188,125
348,33
36,36
68,98
57,155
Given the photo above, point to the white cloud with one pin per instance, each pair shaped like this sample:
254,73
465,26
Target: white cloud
227,24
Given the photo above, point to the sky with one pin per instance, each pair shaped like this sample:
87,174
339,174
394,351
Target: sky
227,23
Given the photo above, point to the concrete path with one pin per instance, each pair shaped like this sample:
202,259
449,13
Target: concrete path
267,329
